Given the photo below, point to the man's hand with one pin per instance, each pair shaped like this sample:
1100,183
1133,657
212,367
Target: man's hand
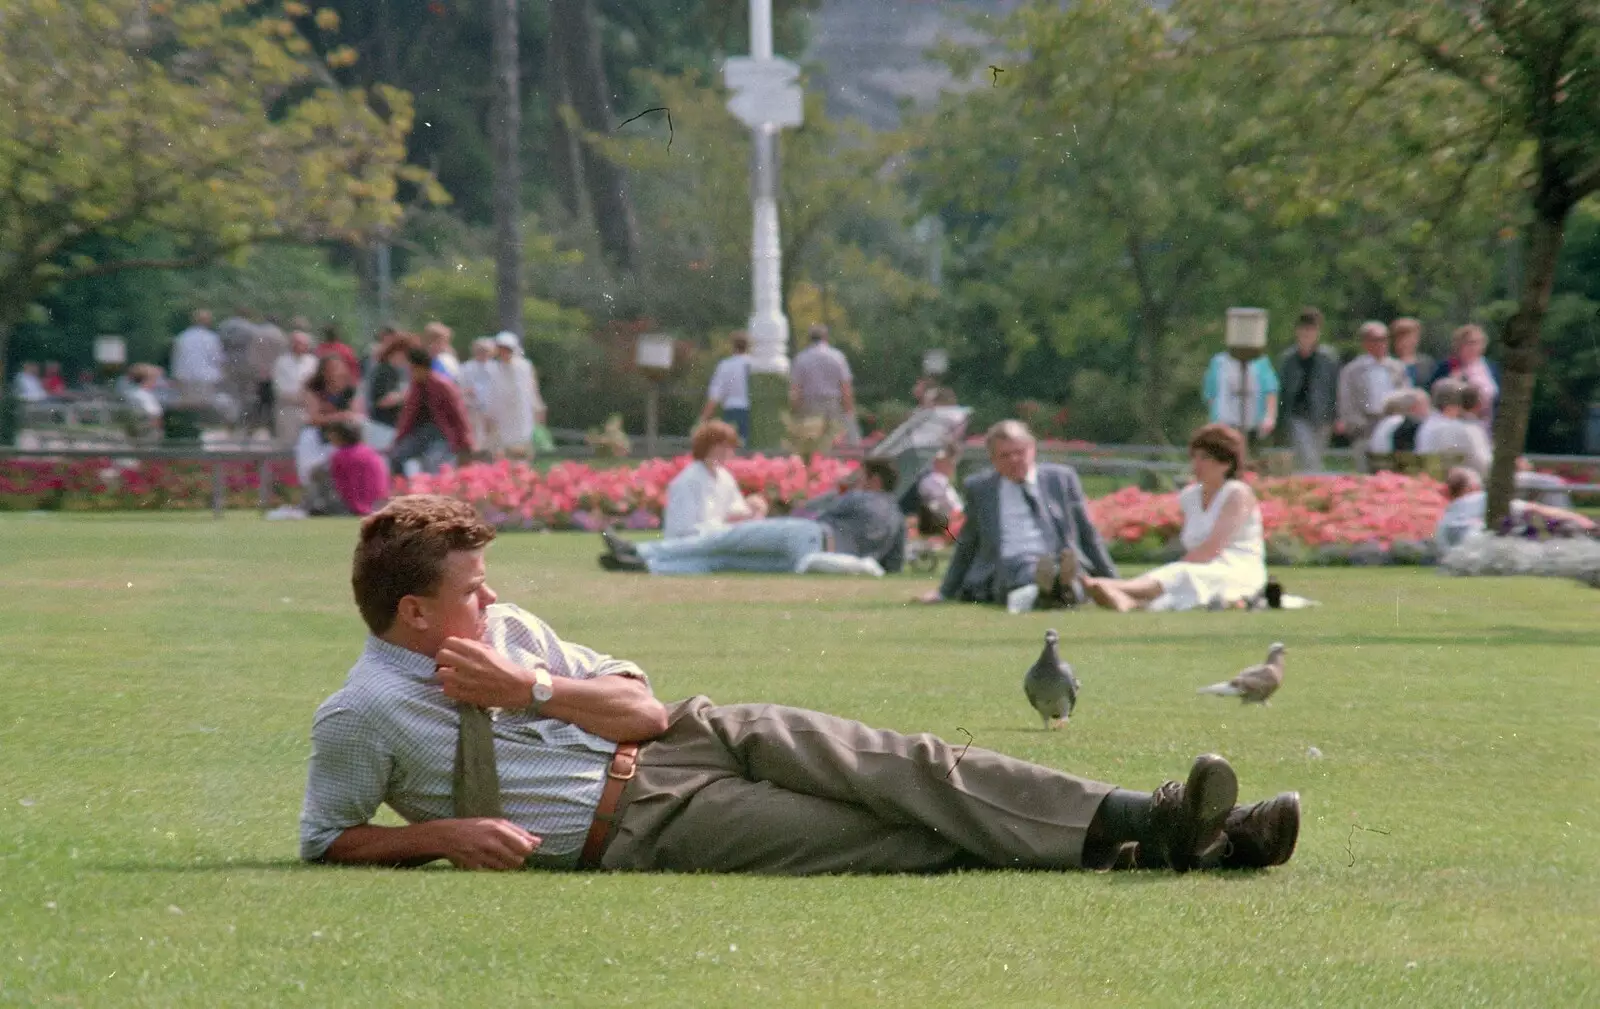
1338,427
757,505
930,596
474,673
486,843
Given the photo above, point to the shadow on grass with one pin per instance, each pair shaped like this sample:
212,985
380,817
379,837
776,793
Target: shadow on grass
214,865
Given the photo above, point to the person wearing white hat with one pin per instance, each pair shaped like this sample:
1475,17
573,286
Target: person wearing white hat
516,405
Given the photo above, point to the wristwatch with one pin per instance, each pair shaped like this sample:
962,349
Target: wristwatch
543,687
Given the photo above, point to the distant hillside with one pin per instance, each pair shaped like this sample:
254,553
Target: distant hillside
872,53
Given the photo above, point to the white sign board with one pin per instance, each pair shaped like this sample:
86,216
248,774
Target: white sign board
1247,329
654,351
764,91
781,106
110,350
741,72
935,362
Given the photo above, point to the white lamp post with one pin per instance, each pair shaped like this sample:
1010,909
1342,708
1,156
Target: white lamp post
1246,340
765,99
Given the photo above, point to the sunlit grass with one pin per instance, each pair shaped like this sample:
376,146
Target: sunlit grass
161,672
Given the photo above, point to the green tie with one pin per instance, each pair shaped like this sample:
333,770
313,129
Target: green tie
475,786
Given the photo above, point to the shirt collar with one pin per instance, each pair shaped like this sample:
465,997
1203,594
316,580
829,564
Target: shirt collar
402,660
1031,481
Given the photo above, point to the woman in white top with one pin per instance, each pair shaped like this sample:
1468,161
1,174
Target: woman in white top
1222,532
704,497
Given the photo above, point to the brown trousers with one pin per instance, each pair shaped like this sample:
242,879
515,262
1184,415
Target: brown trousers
772,789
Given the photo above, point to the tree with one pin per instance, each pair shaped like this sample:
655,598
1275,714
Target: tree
1109,201
507,168
120,119
1437,94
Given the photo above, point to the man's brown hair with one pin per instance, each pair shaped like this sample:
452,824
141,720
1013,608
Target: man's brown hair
1309,317
1222,443
711,434
740,341
403,548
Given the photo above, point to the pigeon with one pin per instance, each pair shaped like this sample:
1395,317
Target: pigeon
1051,687
1257,683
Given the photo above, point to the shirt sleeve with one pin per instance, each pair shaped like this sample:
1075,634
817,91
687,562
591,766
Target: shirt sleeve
1266,376
349,775
526,640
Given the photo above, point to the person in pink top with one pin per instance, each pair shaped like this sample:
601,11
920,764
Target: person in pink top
358,473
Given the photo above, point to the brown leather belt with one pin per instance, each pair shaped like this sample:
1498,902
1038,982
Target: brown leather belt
623,766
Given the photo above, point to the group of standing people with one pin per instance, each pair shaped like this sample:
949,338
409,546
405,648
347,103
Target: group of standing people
410,404
1318,398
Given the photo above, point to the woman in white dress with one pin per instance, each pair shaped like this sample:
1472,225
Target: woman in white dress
1222,532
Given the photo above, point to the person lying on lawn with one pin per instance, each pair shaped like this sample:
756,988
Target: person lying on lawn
503,746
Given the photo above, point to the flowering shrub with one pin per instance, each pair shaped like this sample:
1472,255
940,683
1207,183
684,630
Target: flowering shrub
572,495
107,484
1301,515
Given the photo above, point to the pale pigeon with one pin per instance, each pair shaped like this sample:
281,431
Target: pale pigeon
1257,683
1050,685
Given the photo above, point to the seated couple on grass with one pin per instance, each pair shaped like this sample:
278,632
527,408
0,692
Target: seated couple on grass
504,747
1028,540
709,527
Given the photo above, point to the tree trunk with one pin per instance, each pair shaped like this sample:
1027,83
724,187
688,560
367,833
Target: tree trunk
1522,353
507,169
572,27
565,154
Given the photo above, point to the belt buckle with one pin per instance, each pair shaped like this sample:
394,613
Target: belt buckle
633,768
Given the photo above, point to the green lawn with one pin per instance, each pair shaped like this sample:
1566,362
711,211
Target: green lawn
161,672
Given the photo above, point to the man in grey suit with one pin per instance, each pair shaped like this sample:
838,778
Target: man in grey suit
1027,539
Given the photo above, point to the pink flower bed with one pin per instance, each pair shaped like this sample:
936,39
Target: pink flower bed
1316,511
572,495
95,484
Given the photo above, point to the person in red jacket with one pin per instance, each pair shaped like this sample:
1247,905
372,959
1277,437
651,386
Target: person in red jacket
433,427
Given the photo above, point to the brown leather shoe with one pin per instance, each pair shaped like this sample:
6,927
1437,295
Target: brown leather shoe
1258,836
1186,820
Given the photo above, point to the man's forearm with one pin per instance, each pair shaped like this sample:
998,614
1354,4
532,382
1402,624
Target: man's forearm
416,844
618,708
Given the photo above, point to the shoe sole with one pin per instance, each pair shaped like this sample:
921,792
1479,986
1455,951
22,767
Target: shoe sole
1209,795
1285,850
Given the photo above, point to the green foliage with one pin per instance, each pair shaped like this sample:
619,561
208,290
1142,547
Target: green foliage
464,296
1111,197
203,122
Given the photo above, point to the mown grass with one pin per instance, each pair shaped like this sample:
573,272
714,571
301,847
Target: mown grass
160,673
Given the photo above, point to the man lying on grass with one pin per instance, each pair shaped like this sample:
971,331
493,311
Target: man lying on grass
576,764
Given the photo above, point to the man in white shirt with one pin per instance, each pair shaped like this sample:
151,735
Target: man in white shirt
1449,430
730,388
704,497
1364,384
290,373
197,360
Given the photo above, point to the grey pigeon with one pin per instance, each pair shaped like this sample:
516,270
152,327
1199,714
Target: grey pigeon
1257,683
1051,687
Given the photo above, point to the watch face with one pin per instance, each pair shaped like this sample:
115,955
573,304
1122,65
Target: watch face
542,692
